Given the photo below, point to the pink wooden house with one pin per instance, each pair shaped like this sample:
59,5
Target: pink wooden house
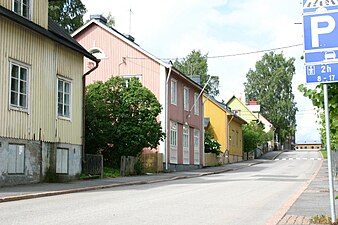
182,114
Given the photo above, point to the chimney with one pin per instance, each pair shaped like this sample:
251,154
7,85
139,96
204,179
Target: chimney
99,18
253,102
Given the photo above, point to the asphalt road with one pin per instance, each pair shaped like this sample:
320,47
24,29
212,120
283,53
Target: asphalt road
248,196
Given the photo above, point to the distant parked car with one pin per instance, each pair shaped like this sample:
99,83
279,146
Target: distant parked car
329,55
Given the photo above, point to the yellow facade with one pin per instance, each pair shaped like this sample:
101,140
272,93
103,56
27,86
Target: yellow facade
38,13
236,105
226,127
217,122
47,60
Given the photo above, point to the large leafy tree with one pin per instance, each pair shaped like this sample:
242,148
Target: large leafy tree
196,64
121,119
271,85
317,97
67,13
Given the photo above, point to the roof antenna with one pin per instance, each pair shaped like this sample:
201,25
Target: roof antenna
130,12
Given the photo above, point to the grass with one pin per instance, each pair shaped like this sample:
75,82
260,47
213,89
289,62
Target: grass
324,153
110,172
321,219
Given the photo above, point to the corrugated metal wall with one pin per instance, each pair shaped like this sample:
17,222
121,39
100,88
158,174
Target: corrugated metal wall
46,59
39,11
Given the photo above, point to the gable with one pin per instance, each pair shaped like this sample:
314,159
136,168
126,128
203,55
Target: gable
236,105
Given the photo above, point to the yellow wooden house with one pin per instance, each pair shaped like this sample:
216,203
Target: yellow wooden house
226,127
41,95
242,110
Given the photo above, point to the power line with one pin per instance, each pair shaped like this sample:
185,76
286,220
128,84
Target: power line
243,53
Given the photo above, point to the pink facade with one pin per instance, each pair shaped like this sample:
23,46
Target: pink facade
121,56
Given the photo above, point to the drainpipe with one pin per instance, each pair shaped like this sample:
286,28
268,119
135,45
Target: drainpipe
83,106
166,121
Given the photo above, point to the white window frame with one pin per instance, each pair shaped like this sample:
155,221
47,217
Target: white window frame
196,104
197,148
62,160
186,98
173,87
173,141
18,93
64,81
16,159
128,77
21,5
186,144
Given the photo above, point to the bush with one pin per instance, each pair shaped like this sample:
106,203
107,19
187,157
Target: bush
210,144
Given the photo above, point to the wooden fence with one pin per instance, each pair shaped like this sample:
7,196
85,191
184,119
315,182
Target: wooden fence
128,165
93,165
152,162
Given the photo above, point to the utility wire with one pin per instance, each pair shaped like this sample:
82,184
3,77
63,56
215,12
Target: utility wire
243,53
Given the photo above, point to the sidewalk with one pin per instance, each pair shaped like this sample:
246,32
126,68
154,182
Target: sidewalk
313,201
20,192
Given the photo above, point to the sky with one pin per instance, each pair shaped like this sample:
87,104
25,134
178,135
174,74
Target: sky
172,29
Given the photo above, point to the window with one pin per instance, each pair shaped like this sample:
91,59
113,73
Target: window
196,146
62,160
64,97
186,99
186,153
233,137
173,142
196,104
237,138
173,92
128,77
19,85
16,159
22,7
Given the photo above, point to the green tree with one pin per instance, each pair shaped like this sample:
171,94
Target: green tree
253,136
121,119
210,144
67,13
271,85
317,97
110,20
196,64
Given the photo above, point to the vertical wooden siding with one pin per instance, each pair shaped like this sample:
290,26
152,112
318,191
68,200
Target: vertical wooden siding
136,63
39,11
46,59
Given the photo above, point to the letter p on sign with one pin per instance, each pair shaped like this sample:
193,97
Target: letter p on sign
316,30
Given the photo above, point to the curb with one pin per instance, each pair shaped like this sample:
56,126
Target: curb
77,190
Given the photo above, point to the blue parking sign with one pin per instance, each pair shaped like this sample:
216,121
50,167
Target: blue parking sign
320,20
320,31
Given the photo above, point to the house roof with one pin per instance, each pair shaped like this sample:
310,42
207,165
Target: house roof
225,108
54,32
125,39
234,97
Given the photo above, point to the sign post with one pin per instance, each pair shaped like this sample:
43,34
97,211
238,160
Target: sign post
320,20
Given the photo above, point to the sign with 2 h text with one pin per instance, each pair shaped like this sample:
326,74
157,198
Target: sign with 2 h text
320,20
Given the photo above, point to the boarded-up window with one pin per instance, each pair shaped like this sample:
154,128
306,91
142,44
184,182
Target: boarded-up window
62,160
16,159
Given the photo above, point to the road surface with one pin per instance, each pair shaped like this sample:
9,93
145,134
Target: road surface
251,195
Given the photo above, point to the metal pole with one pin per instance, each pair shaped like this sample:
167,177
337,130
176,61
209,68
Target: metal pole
329,158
